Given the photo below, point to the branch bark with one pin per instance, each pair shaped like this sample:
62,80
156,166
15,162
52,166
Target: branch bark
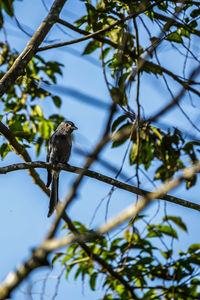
99,177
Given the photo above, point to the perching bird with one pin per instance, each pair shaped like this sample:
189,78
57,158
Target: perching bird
59,149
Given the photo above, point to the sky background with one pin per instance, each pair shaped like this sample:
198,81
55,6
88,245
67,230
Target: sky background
24,207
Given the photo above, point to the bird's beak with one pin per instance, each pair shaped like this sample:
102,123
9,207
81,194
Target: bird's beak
74,127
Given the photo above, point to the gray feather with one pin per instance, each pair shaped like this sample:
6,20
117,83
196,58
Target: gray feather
59,149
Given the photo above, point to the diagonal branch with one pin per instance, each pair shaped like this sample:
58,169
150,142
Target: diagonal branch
20,63
143,62
128,213
185,84
99,260
176,99
39,255
176,23
99,177
21,151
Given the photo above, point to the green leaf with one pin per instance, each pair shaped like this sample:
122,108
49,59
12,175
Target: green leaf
194,248
118,96
45,129
174,37
166,254
177,220
148,67
4,149
195,13
93,279
57,101
105,52
157,132
183,32
81,21
121,135
8,6
128,235
38,145
117,122
133,154
150,14
193,24
91,47
36,111
168,231
159,230
56,256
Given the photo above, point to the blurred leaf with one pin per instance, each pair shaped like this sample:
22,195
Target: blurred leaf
4,149
91,47
121,135
57,101
195,13
36,111
166,254
45,129
105,52
177,220
151,68
159,230
133,154
174,37
128,235
93,279
194,248
56,256
118,121
7,5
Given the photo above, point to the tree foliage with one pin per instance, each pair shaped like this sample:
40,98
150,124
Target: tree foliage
143,259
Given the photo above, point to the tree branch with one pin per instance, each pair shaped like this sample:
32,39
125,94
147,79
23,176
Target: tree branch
99,177
95,35
176,99
176,23
128,213
39,256
21,151
20,63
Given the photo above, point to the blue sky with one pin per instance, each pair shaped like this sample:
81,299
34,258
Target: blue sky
23,216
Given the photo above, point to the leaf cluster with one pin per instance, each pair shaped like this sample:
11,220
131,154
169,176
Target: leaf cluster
22,112
151,271
169,149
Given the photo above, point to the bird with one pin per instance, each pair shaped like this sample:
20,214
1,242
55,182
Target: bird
59,150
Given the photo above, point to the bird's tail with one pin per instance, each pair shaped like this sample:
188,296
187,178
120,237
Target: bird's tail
54,193
49,178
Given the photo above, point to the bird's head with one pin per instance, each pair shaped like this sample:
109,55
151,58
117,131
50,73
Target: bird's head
67,127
